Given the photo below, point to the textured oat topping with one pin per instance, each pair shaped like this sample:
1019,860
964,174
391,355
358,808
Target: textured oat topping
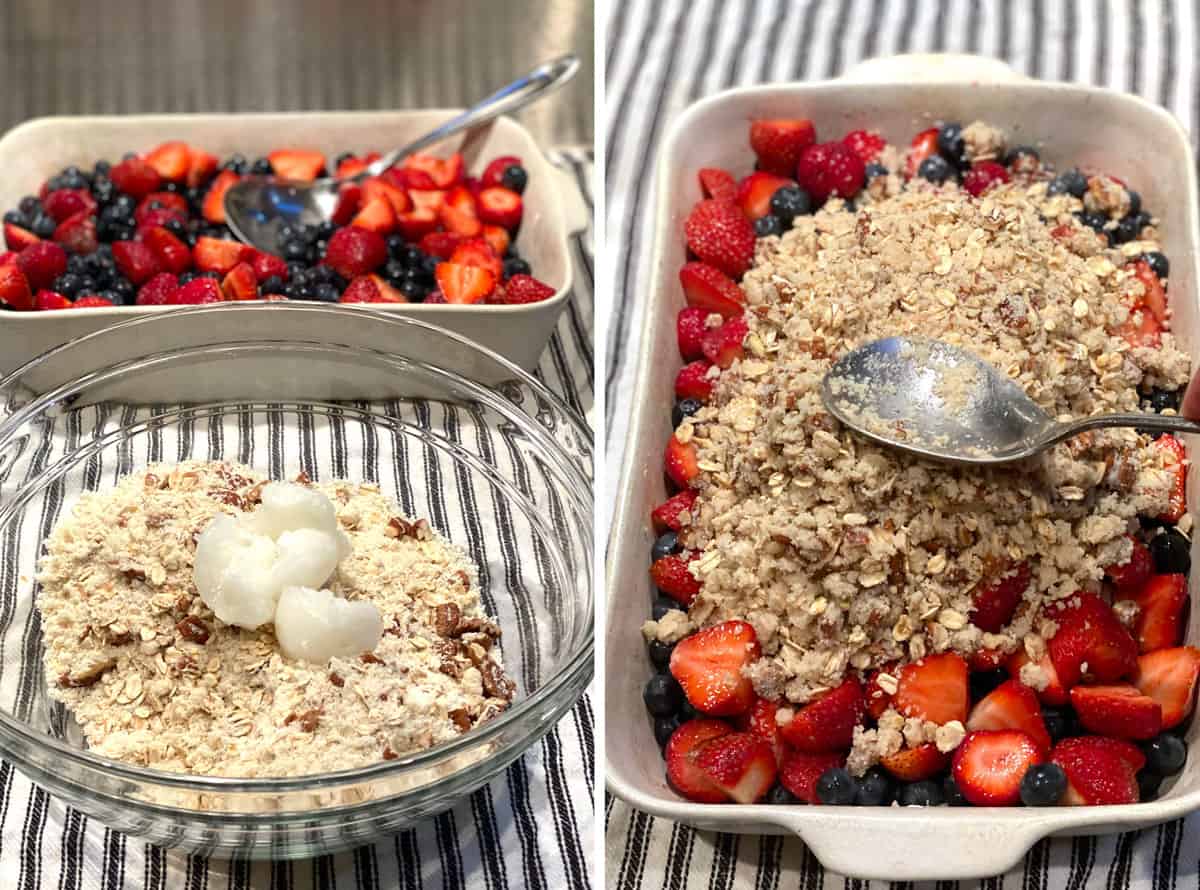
154,678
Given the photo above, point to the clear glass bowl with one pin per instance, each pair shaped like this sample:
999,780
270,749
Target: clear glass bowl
448,429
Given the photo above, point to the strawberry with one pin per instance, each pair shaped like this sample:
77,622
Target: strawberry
444,172
741,764
92,301
371,289
707,287
459,212
501,207
801,771
720,235
876,698
377,215
1090,634
377,187
692,381
760,720
172,254
680,462
923,145
1054,693
1119,712
297,164
830,169
681,751
61,203
867,144
934,688
477,252
409,179
1012,705
778,144
48,299
158,291
1154,297
915,764
690,329
201,167
755,191
1099,771
524,288
220,254
240,283
441,244
213,209
984,660
135,177
723,345
666,515
9,256
349,200
198,290
1134,572
1169,677
718,184
709,666
171,160
352,252
352,166
497,238
18,238
78,233
1161,602
1142,329
172,202
135,260
42,263
827,722
1175,460
494,171
982,176
464,284
158,217
995,599
14,289
989,765
267,265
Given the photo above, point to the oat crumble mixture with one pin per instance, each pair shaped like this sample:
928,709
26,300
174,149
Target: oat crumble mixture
845,555
154,679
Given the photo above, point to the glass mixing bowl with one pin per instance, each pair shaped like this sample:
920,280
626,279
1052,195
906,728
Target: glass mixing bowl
451,431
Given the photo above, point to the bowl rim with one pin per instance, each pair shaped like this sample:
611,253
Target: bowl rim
574,672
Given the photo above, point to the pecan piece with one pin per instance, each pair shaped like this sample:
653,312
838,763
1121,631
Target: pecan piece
449,651
133,575
225,496
398,528
461,719
370,658
495,684
447,619
89,675
336,679
193,629
117,637
308,721
303,478
388,753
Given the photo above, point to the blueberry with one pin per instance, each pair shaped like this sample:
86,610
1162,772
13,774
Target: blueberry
429,265
662,605
664,545
664,728
1148,785
176,228
54,183
298,291
935,168
29,205
272,285
1043,785
1069,182
124,287
73,178
101,168
77,264
836,787
123,206
413,287
875,169
952,794
43,225
781,797
1059,723
1127,229
295,250
395,271
296,270
687,712
69,284
411,255
983,682
1158,263
921,794
103,190
768,225
15,218
185,277
514,177
326,293
261,166
789,202
1161,400
684,408
660,654
662,695
325,230
1172,553
515,266
236,162
1095,221
951,144
1019,152
875,789
1165,754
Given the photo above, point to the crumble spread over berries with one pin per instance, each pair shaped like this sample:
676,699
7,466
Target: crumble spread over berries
155,679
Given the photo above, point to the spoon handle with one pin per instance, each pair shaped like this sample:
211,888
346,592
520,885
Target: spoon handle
1158,423
537,83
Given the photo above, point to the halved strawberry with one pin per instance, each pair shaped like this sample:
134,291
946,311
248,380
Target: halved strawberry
220,254
1161,601
682,772
501,207
670,575
135,177
297,164
8,256
459,212
1175,460
61,203
240,283
158,291
1169,677
692,381
741,764
707,287
464,284
1133,573
92,301
349,199
497,238
723,345
875,697
14,289
444,172
934,688
680,462
78,233
915,764
172,254
197,291
1012,705
494,171
710,664
441,244
150,207
377,187
666,515
522,289
1089,634
760,720
718,184
1142,328
923,145
754,193
1099,770
827,722
171,160
201,167
867,144
1054,693
18,238
989,765
48,299
1119,712
1154,297
719,234
477,252
409,179
353,251
690,328
371,289
778,143
801,771
42,263
267,265
213,209
352,165
996,598
435,199
135,260
984,660
377,215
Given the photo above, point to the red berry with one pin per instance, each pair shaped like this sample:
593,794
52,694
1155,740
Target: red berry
1135,571
92,301
267,265
61,203
158,291
198,290
982,176
42,263
718,184
494,171
710,289
778,144
353,252
522,288
692,381
864,143
48,299
78,233
136,261
670,575
719,234
710,666
689,331
135,177
830,168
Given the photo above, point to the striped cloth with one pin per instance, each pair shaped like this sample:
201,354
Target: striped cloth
534,827
664,54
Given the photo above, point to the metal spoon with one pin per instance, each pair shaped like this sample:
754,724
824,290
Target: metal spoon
942,402
258,206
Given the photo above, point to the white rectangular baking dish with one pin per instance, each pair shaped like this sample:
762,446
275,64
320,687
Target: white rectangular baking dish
1072,125
554,210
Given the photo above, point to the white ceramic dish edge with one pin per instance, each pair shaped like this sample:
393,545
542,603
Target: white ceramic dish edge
869,843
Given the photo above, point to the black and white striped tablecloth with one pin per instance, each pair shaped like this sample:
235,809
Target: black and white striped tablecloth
662,55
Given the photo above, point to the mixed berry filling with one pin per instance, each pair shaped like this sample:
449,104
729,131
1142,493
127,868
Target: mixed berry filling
150,230
836,623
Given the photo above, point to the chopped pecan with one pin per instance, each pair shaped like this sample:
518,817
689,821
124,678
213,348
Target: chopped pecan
370,658
225,496
396,628
463,579
133,574
397,528
309,720
447,619
89,675
254,495
117,637
303,478
421,530
336,679
183,603
495,684
461,719
151,481
389,754
193,629
450,654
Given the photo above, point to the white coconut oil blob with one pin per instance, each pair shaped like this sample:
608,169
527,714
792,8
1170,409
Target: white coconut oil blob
234,571
315,625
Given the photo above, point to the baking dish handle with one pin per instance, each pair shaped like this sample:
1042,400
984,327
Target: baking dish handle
576,215
933,68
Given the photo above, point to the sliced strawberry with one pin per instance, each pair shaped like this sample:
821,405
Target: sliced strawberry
464,284
915,764
435,199
377,187
197,291
1012,705
801,771
1054,693
1142,329
171,160
61,203
349,200
477,252
158,291
707,287
371,289
352,166
240,283
778,143
680,462
353,251
9,256
1175,460
1154,297
48,299
923,145
78,233
1089,634
989,765
201,168
497,238
876,698
827,722
377,215
934,688
499,206
755,191
995,599
172,254
1134,572
867,144
984,660
760,720
741,764
92,301
720,235
692,381
666,515
220,254
18,238
522,288
14,289
1169,677
1099,770
670,575
441,244
135,177
170,201
690,328
682,748
297,164
213,209
42,263
723,345
267,265
718,184
710,665
1117,711
443,172
1161,600
409,179
460,221
494,171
